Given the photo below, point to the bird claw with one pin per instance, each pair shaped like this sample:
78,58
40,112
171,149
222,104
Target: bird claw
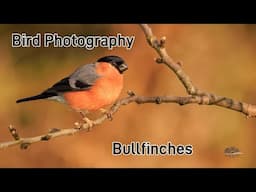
77,125
88,122
105,112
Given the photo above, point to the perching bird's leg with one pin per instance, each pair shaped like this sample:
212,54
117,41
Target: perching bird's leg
86,120
89,122
105,112
83,113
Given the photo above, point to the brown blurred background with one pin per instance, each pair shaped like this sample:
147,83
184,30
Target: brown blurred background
218,58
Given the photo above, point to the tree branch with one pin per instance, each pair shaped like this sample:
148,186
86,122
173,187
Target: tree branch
53,133
195,96
208,98
167,60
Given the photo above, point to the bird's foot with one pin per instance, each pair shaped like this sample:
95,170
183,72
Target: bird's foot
105,112
86,124
89,122
78,125
83,113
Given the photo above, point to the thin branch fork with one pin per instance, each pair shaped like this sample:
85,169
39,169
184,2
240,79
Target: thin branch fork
211,99
195,96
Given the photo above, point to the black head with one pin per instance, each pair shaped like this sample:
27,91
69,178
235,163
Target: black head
116,61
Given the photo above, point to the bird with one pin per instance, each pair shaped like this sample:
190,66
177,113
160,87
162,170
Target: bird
89,88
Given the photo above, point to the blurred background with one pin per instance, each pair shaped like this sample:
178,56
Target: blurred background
218,58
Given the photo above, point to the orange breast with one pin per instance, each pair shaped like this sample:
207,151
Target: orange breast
104,92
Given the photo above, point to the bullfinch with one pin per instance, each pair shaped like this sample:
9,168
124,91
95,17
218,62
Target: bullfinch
90,87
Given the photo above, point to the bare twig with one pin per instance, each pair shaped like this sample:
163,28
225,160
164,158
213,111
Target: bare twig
195,96
167,60
13,132
208,98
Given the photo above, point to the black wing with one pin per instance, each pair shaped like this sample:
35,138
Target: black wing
64,86
82,79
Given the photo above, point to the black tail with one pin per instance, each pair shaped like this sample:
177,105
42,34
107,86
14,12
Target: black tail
40,96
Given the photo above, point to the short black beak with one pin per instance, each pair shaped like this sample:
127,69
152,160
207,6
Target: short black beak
123,67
